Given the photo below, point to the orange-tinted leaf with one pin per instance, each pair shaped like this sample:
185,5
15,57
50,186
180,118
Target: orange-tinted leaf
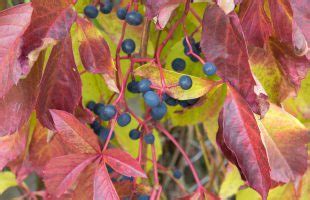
77,136
239,131
50,22
61,172
125,188
254,21
223,43
61,84
123,163
11,146
285,139
200,86
18,103
41,151
11,28
94,50
103,186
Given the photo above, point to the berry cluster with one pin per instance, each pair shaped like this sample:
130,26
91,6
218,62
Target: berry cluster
133,18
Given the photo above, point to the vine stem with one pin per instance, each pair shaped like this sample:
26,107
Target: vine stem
171,138
203,148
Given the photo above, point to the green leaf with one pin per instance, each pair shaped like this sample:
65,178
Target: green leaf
80,5
7,180
200,86
231,183
132,146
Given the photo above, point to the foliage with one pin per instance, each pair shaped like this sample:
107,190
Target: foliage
66,76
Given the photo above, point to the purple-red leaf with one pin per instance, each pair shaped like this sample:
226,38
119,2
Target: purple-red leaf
94,50
13,22
50,22
223,44
161,10
123,163
103,186
61,84
240,132
77,136
16,106
61,172
254,21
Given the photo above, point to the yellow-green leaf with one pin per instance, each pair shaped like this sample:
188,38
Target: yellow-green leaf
200,86
7,180
231,183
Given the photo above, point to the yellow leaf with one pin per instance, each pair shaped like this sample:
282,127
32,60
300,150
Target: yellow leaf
231,183
7,180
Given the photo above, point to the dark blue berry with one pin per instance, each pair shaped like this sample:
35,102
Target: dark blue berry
121,13
193,58
91,11
98,108
191,42
184,103
177,174
128,46
151,98
185,82
209,68
178,64
134,18
95,125
134,134
107,7
127,178
104,133
171,101
110,170
124,119
192,101
144,197
133,87
91,105
108,112
149,138
144,85
198,47
159,111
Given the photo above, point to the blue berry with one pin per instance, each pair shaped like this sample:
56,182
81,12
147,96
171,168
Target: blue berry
108,112
133,87
198,47
98,108
184,103
134,18
149,138
95,125
191,41
144,197
91,11
159,111
209,69
171,101
128,46
178,64
177,174
110,170
104,133
151,98
124,119
129,178
121,13
185,82
107,7
91,105
192,101
134,134
144,85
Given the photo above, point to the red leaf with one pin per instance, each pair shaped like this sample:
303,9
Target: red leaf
123,163
61,172
11,28
254,21
103,186
83,114
242,137
11,146
16,106
293,67
223,44
41,151
94,50
50,22
77,136
161,10
61,84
